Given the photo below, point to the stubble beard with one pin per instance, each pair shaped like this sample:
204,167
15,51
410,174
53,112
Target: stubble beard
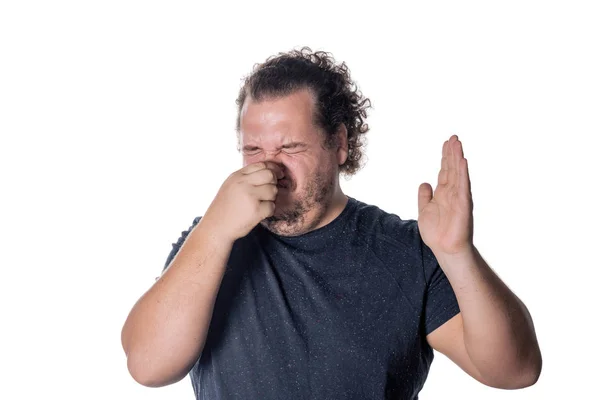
295,219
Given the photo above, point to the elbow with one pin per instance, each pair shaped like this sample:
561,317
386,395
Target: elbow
150,373
140,373
532,373
143,374
521,378
138,364
524,380
138,369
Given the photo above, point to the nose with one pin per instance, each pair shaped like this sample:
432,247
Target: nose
274,157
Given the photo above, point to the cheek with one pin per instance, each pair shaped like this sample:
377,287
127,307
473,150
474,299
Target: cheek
301,171
247,160
294,167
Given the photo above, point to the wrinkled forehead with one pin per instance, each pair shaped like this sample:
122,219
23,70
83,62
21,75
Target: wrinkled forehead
276,121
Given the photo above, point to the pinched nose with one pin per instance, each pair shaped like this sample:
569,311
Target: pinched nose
278,168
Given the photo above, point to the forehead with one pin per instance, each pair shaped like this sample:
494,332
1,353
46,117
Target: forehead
278,119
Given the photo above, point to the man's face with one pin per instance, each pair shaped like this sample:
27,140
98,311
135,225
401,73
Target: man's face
282,130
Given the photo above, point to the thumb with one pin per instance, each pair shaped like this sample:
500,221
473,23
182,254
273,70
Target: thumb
425,195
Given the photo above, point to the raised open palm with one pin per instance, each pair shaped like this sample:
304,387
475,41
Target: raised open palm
446,215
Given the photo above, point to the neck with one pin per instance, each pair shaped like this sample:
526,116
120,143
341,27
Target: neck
336,206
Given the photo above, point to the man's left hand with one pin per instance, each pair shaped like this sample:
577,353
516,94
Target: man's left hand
446,215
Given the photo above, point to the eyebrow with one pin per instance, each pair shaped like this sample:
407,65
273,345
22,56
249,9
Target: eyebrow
291,145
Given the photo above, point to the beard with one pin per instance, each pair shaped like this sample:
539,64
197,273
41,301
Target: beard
293,218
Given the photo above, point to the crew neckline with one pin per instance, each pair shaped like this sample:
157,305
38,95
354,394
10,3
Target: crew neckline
317,236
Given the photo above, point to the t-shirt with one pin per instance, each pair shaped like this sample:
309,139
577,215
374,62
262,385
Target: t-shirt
341,312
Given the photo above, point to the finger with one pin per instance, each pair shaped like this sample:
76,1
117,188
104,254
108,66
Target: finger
266,209
459,156
250,168
425,195
261,177
266,192
459,152
465,180
445,155
278,169
452,178
443,177
443,174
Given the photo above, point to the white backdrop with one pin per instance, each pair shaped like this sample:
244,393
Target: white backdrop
117,123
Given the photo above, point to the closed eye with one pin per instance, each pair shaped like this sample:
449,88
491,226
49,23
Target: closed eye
251,150
289,148
295,147
293,151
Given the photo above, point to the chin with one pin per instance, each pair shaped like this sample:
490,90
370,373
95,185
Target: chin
283,228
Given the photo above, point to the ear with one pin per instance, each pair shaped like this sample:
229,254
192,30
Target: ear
342,144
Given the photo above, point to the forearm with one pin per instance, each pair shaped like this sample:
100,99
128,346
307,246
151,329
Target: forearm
165,331
498,330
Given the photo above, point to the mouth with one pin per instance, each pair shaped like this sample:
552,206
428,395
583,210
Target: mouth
283,184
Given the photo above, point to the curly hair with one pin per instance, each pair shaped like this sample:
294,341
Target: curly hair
338,100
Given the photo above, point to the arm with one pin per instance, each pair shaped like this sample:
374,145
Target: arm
165,331
492,338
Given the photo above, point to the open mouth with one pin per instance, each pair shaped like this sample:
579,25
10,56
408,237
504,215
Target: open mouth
283,184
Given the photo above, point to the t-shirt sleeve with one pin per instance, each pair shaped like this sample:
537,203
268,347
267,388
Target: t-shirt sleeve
177,245
440,300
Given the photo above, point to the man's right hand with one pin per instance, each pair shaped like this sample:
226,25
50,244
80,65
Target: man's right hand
245,198
161,353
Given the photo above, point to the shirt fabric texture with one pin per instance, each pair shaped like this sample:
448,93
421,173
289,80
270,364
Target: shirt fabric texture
341,312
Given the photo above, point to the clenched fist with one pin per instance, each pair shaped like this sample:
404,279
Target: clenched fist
245,198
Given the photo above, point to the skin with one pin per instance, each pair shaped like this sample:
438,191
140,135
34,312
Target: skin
289,183
281,131
492,338
165,331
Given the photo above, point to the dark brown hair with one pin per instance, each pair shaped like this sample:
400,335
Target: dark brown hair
338,100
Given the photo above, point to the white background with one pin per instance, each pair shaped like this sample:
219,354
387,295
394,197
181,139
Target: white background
117,122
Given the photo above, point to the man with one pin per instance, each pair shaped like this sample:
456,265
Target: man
287,288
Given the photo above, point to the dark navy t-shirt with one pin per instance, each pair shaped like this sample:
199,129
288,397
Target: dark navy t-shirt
341,312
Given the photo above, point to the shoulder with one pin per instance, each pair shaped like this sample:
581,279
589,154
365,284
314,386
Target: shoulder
397,246
185,233
177,244
375,224
196,220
